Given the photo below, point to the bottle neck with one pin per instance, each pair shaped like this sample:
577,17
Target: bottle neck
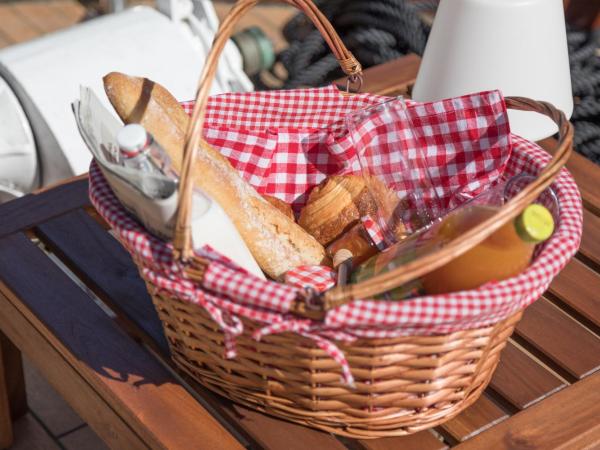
129,153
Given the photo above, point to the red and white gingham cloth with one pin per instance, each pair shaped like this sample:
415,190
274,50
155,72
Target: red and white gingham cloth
319,278
286,142
374,231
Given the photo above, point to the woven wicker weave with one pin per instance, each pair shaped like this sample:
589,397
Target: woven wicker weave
402,385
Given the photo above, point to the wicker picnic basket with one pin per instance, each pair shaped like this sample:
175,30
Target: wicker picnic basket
402,384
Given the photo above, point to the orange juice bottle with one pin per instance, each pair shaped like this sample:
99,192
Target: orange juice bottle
504,254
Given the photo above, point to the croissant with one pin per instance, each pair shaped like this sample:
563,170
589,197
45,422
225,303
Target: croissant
334,206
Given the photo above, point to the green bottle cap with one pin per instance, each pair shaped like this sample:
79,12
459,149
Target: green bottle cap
535,224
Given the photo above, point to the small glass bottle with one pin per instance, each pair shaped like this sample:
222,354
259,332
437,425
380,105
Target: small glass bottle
357,241
139,151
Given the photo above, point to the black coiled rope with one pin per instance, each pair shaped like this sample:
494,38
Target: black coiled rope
377,31
584,56
374,31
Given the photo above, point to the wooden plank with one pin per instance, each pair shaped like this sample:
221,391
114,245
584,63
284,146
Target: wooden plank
560,338
13,402
15,381
579,287
66,379
423,440
391,78
52,186
123,373
585,173
104,266
566,420
5,41
272,433
37,15
102,263
71,11
521,380
13,25
32,209
6,431
480,416
590,239
583,14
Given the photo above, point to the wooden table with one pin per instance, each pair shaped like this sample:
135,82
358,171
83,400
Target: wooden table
72,301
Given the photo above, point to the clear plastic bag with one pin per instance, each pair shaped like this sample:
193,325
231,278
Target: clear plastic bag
394,169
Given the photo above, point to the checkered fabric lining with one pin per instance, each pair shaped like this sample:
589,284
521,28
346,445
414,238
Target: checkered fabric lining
285,142
229,293
319,278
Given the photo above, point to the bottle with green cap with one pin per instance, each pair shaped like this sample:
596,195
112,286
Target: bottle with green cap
504,254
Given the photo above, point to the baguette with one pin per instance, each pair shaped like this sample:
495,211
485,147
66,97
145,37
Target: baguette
281,206
276,242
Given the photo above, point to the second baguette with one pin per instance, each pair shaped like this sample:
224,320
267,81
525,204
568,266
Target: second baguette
276,242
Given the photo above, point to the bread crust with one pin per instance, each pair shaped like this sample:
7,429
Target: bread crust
276,242
281,206
335,206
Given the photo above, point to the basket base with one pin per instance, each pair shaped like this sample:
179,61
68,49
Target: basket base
403,385
415,421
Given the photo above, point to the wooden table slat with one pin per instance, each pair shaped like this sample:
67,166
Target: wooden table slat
423,440
70,11
32,209
481,415
586,176
37,15
391,78
565,420
560,338
521,380
585,173
6,433
106,267
272,433
13,27
17,396
5,41
590,240
67,380
134,383
102,263
579,287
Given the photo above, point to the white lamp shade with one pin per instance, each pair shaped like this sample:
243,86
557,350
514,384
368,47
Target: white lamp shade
517,46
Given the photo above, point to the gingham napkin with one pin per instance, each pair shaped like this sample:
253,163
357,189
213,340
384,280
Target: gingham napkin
286,142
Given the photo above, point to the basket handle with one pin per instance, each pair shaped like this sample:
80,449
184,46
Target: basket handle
316,307
182,235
